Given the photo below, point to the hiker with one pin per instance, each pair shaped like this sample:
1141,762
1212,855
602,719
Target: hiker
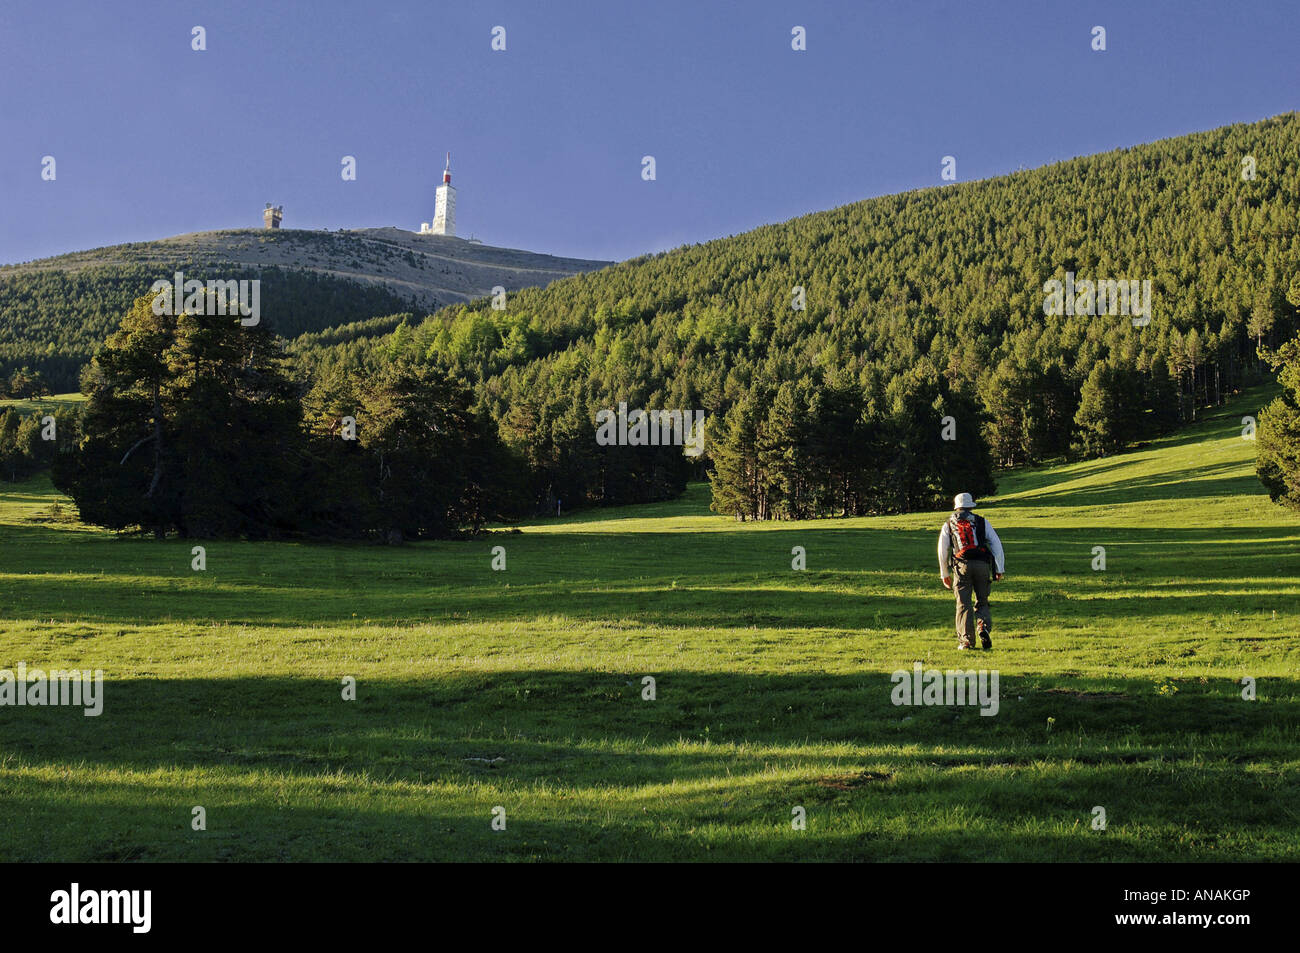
970,544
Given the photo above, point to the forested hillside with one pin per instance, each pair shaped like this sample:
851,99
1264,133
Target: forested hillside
56,312
54,321
917,307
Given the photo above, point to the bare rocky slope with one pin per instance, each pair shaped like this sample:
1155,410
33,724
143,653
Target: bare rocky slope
430,271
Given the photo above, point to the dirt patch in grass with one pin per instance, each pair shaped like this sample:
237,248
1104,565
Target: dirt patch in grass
77,632
847,782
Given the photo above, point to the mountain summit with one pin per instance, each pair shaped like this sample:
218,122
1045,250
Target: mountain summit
54,312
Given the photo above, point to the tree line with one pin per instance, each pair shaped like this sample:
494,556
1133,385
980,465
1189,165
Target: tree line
24,384
29,442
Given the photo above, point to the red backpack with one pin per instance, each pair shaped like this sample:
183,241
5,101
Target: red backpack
968,537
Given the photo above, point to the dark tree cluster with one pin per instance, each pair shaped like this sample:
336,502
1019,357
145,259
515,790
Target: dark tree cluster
30,441
798,450
25,384
194,426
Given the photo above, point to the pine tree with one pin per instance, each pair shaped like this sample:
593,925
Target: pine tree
738,481
1277,453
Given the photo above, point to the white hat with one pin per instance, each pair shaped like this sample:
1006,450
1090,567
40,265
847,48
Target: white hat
963,501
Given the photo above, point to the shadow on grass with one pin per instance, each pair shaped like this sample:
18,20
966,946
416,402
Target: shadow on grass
590,770
1215,424
1149,488
740,820
538,719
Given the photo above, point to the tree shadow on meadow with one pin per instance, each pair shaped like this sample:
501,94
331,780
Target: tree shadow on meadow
1210,480
290,767
741,820
454,725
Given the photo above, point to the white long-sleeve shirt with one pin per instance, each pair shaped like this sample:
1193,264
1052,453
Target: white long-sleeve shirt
990,538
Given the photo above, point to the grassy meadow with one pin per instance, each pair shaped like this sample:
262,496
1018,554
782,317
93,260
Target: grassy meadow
43,405
522,688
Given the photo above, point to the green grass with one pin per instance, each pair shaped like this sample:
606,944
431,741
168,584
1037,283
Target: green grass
43,404
523,688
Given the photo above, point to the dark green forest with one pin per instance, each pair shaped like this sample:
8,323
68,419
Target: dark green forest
29,442
194,426
53,321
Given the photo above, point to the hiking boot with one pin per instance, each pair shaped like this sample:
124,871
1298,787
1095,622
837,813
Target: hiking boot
985,641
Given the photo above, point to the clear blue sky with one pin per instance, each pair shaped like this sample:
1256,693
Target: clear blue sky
153,139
